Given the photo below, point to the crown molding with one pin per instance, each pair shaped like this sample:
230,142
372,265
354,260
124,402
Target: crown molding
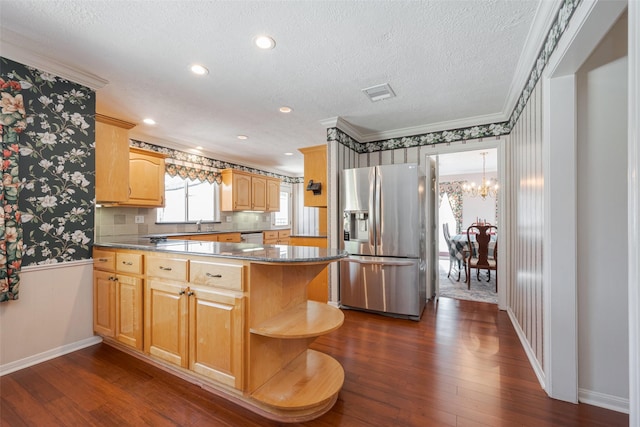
349,129
21,49
542,21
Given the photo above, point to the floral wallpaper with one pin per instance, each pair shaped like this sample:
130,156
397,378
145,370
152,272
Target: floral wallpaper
57,166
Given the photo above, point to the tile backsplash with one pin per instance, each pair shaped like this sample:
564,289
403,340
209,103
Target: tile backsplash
121,221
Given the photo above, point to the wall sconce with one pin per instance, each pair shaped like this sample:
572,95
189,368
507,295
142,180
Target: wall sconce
316,187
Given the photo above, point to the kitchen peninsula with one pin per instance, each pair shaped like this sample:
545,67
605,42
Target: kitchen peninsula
233,318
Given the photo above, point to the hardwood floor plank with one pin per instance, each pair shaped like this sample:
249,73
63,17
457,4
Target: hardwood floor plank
460,365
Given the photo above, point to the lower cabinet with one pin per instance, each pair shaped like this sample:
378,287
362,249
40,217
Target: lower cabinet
104,306
196,327
128,299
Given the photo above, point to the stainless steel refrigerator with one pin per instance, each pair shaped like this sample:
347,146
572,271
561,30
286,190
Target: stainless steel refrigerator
383,230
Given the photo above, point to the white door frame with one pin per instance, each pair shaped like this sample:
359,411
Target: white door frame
590,23
483,144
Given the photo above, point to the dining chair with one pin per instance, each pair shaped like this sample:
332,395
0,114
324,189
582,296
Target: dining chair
452,251
478,256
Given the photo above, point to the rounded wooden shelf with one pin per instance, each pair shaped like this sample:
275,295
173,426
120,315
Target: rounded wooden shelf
311,380
306,320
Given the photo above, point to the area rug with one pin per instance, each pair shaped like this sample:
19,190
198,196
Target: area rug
480,290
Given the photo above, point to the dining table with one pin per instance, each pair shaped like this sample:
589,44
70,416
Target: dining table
461,244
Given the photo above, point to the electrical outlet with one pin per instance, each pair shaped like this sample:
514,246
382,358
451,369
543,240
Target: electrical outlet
139,219
228,219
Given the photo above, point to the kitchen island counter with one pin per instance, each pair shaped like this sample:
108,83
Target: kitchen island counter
232,317
246,251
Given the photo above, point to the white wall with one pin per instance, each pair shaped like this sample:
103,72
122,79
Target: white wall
603,362
53,316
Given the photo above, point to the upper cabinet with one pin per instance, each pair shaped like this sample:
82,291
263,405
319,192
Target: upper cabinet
126,175
112,159
315,175
244,191
146,178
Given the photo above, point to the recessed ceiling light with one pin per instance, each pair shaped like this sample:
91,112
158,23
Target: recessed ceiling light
288,154
264,42
243,137
286,109
199,69
149,121
199,147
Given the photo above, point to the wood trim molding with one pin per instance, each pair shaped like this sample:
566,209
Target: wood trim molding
114,122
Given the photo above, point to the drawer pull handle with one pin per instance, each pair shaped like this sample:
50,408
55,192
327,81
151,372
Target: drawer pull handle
103,259
190,293
182,292
165,268
218,276
127,262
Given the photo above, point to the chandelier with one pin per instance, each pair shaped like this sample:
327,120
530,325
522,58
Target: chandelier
489,187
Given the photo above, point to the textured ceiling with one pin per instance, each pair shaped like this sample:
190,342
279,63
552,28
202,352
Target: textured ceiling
445,60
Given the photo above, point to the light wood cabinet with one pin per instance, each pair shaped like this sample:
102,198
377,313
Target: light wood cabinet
112,159
318,288
273,195
146,178
118,296
258,193
276,237
216,321
192,324
315,169
244,191
225,323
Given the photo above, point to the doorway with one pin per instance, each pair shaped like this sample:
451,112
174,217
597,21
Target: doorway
461,204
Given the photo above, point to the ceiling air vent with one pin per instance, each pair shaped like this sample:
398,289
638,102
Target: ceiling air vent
379,92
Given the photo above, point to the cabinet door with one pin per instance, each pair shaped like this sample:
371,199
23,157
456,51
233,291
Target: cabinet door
216,335
146,179
241,192
273,195
112,160
129,311
104,308
165,321
258,194
315,169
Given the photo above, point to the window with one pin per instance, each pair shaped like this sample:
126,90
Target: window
189,201
283,216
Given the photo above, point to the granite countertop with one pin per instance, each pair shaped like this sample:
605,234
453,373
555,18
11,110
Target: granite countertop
245,251
191,233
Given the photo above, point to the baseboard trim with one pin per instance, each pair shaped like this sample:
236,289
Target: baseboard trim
602,400
537,369
8,368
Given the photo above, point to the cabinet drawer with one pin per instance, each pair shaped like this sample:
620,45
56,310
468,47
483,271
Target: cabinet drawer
167,268
104,260
230,237
269,235
282,234
216,274
129,263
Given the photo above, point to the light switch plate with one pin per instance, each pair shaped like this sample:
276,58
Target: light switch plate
139,219
228,219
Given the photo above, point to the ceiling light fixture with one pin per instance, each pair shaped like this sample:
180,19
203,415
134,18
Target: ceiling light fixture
286,109
199,69
487,188
149,121
264,42
199,147
288,154
243,137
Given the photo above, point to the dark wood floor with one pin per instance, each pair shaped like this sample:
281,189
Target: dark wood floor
461,365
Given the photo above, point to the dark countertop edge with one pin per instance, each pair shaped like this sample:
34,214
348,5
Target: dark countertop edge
222,254
195,233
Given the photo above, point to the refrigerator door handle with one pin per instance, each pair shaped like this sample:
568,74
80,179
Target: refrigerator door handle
373,214
378,262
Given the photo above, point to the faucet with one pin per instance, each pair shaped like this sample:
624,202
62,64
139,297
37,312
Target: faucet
199,225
